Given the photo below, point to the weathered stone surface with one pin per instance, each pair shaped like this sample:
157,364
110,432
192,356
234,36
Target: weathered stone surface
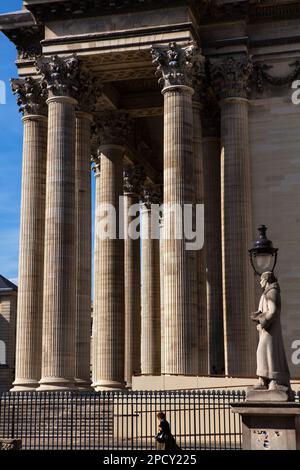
268,395
59,305
31,258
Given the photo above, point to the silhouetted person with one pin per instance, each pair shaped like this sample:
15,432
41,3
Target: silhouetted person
165,439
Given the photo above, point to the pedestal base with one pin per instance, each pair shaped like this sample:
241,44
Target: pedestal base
269,425
83,385
283,394
106,385
52,384
24,385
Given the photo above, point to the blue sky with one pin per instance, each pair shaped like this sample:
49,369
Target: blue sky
10,156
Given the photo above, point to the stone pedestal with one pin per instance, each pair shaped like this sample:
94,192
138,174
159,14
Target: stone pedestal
269,425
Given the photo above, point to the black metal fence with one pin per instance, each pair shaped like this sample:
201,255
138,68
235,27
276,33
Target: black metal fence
120,420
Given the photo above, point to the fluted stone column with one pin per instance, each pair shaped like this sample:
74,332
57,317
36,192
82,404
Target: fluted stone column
133,180
109,317
162,278
198,279
180,321
31,99
212,190
88,93
231,79
59,313
150,292
83,257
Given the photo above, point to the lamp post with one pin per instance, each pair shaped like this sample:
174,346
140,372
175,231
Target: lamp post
263,255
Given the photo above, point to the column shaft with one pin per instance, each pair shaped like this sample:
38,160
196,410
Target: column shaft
180,323
238,278
31,258
132,281
151,330
58,361
109,321
212,185
83,258
200,276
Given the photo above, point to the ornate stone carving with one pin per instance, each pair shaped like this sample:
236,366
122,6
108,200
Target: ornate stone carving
90,89
261,75
96,164
28,42
61,75
177,66
230,76
151,194
134,178
112,127
80,8
32,95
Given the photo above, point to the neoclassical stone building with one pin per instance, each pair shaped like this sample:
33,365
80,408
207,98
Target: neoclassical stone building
8,314
178,101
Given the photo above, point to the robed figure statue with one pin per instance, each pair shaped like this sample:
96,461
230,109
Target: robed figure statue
272,366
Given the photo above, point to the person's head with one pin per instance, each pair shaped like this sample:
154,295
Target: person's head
267,278
161,415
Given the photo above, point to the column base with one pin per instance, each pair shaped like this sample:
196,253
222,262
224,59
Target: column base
105,385
52,384
83,385
25,385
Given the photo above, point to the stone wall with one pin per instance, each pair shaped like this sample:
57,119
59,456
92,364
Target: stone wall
275,143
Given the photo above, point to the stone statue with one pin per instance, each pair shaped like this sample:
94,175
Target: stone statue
272,367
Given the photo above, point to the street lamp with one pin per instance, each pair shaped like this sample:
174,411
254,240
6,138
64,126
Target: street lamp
263,255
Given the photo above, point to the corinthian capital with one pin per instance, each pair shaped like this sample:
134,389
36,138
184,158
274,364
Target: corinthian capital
230,76
96,164
177,65
112,127
60,74
134,178
31,96
152,194
90,89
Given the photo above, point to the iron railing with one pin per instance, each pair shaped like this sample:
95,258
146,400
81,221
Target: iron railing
120,420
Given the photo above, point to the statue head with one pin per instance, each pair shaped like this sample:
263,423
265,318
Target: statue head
267,278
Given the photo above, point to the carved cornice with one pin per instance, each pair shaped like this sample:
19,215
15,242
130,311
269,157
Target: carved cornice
112,127
51,10
151,194
28,42
134,178
249,10
31,94
261,75
230,76
60,74
177,66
